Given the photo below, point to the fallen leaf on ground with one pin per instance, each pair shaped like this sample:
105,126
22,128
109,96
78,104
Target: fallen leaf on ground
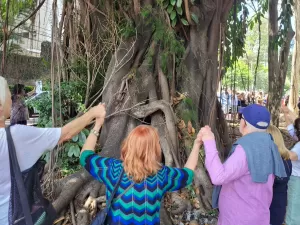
181,125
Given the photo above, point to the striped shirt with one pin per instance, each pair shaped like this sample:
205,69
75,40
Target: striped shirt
141,203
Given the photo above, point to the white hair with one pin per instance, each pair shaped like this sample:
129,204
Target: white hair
3,90
252,129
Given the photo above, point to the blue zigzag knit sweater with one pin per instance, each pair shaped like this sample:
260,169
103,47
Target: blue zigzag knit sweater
141,203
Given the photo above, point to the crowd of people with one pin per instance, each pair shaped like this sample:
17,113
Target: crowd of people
233,101
258,184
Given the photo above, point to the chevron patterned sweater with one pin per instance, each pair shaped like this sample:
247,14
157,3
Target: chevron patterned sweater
141,203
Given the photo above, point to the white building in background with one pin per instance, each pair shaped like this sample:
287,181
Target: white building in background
37,30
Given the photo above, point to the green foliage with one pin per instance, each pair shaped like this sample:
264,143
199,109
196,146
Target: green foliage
73,147
28,88
213,212
243,76
241,44
68,165
175,9
71,93
236,34
127,29
168,41
17,10
191,191
71,97
195,18
187,111
285,20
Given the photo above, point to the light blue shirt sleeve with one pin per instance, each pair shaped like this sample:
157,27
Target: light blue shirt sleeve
291,131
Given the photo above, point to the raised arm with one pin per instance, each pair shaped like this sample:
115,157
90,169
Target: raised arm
74,127
193,158
91,141
234,167
289,116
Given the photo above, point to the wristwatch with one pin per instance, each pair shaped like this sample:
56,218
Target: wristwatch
95,132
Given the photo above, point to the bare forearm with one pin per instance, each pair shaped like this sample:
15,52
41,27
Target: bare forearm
293,156
289,118
75,126
193,158
92,139
90,143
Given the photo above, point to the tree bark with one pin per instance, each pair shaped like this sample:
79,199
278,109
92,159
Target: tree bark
5,39
277,69
202,63
294,92
274,94
133,94
118,94
202,81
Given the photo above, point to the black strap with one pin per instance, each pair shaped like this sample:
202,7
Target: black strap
16,172
120,195
114,190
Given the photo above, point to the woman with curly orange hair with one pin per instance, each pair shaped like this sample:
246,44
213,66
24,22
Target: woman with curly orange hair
144,180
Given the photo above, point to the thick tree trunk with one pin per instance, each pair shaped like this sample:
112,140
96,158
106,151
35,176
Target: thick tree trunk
119,94
202,64
202,82
274,96
135,94
294,92
277,70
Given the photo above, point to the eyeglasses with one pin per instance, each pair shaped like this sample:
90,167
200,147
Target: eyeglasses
242,118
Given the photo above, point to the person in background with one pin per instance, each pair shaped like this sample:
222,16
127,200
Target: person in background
280,186
265,101
233,104
30,143
286,101
145,179
242,104
252,98
259,98
245,180
293,127
225,102
19,111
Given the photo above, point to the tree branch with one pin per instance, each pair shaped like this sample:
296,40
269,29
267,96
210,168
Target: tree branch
187,11
31,15
165,107
226,9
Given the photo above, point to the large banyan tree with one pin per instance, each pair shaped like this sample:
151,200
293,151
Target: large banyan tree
152,62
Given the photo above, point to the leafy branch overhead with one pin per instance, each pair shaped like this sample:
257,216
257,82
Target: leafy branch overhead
239,22
177,12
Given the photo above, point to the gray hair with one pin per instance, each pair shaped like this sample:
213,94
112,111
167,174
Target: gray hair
3,90
252,129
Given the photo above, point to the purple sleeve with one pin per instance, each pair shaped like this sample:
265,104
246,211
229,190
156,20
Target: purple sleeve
221,173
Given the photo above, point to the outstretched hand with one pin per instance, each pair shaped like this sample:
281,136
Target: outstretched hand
285,109
206,134
198,140
100,113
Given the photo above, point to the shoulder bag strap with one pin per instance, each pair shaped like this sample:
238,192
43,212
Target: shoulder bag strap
16,172
114,190
127,189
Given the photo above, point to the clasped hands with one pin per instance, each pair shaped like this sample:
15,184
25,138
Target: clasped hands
99,113
204,134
